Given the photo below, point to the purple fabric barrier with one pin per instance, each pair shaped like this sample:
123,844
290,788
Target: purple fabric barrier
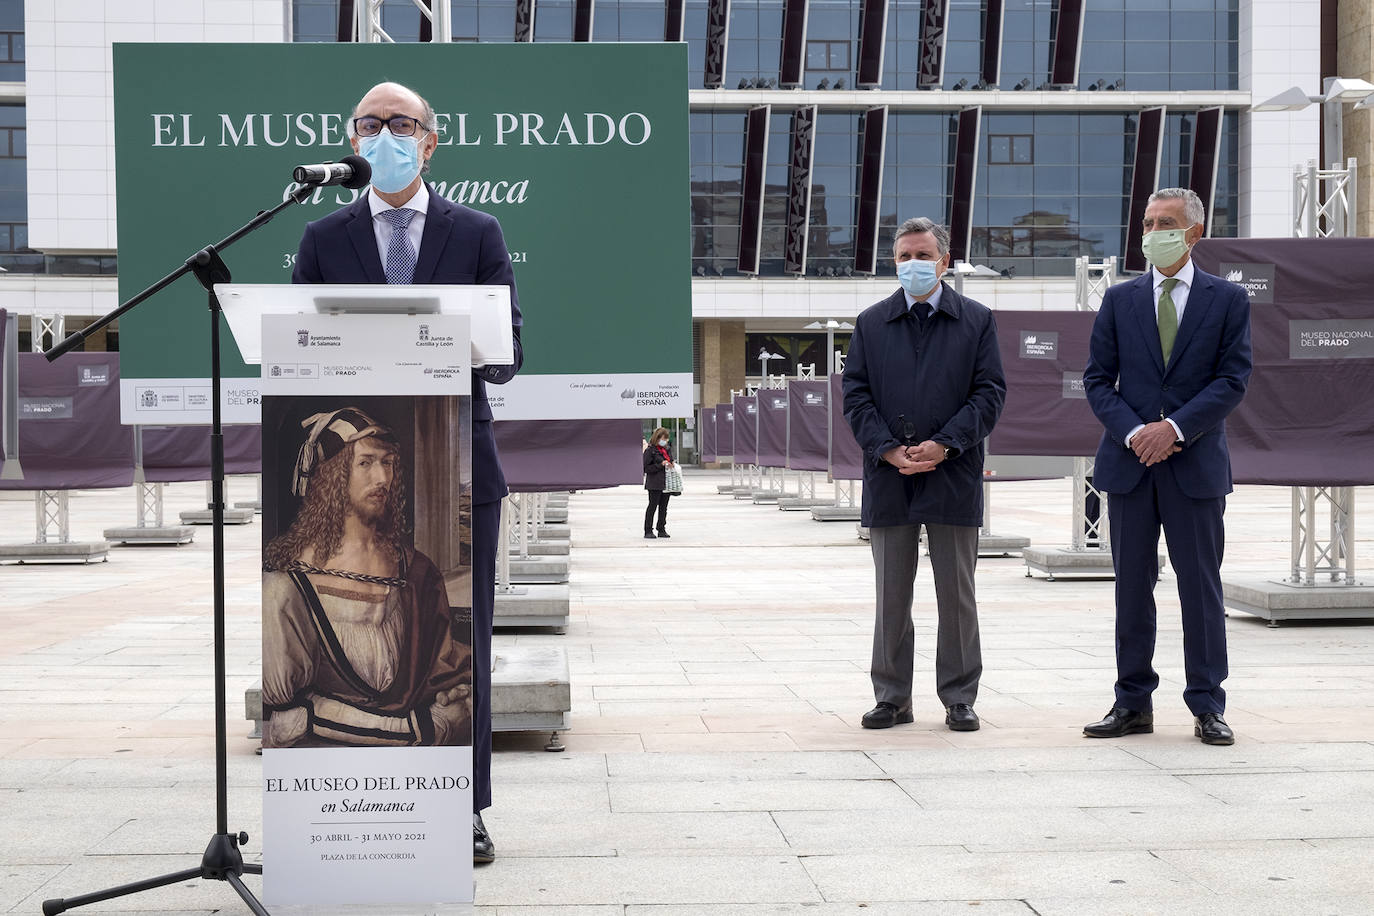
707,428
772,445
746,429
1047,412
806,418
725,431
540,456
1305,420
4,328
69,432
846,458
172,454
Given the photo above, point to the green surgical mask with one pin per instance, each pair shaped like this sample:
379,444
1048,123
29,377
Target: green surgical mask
1164,247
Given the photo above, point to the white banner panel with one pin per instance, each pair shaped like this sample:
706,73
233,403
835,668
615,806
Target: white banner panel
359,825
613,396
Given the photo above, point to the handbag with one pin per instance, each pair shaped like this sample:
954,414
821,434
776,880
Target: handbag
672,480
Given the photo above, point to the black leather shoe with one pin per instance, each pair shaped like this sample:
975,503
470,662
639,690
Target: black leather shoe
1212,729
1120,722
885,715
663,534
961,718
483,849
649,535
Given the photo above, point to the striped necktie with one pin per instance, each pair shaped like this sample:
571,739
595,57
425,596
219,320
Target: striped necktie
1168,318
400,254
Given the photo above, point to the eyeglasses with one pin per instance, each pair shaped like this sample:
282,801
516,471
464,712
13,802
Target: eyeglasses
400,126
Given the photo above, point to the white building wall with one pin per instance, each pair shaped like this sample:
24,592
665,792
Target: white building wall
1280,47
70,99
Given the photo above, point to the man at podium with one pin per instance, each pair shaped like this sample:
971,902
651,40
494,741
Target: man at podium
401,232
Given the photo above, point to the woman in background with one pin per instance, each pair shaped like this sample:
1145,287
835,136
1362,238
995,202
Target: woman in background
656,458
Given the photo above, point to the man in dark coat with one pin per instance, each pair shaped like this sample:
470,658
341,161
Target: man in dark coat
923,388
1170,359
401,231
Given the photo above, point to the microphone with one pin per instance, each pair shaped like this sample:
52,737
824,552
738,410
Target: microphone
352,172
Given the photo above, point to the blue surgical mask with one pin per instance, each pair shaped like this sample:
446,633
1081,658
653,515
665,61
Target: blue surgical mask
395,161
917,277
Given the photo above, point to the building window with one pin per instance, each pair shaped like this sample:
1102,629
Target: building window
11,57
1005,149
827,55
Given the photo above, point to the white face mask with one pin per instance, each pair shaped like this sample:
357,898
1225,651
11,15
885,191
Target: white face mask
662,441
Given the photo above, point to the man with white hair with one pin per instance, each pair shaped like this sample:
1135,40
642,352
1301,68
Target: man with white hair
1169,361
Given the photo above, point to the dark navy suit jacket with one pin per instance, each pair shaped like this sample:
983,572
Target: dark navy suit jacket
459,245
1128,384
944,377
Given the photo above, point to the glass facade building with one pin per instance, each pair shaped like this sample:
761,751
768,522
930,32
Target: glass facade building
1053,176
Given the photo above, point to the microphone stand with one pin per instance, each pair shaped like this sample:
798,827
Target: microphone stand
222,860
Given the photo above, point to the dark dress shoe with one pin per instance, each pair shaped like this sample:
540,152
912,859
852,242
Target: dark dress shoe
1120,722
483,849
961,718
1212,729
885,715
649,535
663,534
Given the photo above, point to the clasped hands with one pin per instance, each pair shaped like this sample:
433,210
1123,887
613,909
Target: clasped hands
1155,442
915,459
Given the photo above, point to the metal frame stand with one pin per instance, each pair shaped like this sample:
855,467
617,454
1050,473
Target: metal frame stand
1321,584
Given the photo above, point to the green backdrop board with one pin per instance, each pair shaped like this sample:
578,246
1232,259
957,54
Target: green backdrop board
579,149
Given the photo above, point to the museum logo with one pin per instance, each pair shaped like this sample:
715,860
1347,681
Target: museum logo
1256,279
1331,338
1073,386
1039,344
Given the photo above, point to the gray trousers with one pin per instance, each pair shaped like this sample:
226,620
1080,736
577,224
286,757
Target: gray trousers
958,655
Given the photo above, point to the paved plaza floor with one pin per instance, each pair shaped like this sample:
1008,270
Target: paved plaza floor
715,763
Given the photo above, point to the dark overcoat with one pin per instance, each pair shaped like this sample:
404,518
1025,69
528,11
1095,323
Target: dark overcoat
653,468
943,376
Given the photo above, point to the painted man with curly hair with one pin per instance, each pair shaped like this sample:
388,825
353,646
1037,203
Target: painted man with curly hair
357,623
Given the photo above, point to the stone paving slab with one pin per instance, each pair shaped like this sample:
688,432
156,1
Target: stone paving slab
649,879
716,764
933,873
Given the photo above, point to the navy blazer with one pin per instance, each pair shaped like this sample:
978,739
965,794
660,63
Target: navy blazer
944,377
1128,384
459,246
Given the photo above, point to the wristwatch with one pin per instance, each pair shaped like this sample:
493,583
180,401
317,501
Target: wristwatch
950,452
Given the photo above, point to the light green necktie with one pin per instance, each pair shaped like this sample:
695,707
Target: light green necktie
1168,318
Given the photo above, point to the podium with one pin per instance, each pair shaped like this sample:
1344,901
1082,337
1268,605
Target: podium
367,584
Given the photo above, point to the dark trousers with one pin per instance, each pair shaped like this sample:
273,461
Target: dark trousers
1196,536
658,500
486,529
958,651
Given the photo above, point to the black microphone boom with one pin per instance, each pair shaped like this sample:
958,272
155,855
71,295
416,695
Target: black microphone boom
352,172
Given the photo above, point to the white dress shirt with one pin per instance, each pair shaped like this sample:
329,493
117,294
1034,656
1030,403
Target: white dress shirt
932,301
382,229
1180,296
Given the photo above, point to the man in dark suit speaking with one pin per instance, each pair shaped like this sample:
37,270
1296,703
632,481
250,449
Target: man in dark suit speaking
401,231
923,387
1169,360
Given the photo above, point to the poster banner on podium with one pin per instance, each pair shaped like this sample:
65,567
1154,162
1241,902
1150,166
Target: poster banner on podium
367,609
580,150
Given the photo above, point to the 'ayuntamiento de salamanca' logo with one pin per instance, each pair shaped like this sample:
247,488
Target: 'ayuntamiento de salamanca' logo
302,338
